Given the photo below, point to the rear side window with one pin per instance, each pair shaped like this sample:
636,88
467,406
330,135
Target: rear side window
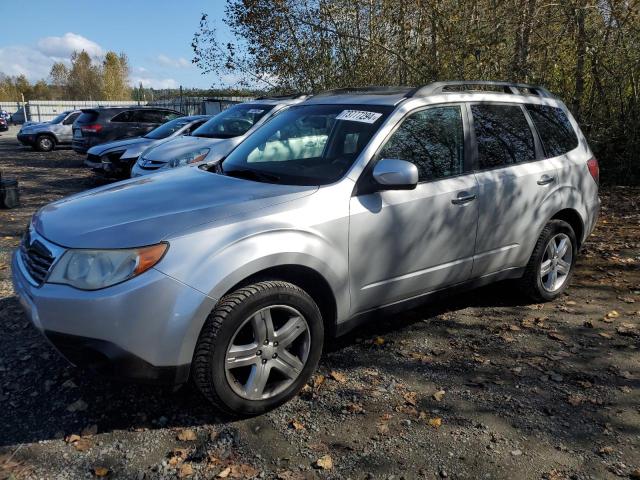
503,135
154,116
71,118
433,140
87,117
124,117
554,128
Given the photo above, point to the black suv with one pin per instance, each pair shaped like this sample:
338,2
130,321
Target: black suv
100,125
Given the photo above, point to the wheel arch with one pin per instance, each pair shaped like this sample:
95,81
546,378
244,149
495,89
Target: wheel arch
309,280
573,218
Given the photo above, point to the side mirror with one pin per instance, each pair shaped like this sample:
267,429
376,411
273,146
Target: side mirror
395,174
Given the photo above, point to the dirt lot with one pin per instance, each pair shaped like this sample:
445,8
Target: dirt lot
478,386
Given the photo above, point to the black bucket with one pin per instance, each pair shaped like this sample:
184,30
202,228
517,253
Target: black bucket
9,195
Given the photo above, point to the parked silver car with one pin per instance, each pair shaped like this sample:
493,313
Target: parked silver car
46,135
216,138
119,157
341,207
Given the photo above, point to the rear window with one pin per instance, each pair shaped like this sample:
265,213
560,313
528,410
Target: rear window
87,117
503,135
554,128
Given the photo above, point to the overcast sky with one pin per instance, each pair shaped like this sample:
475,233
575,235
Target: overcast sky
155,34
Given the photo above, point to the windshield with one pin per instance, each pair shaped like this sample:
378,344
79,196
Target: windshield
233,121
59,118
167,129
306,144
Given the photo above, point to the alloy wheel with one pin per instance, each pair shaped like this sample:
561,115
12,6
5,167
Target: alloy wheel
556,262
268,352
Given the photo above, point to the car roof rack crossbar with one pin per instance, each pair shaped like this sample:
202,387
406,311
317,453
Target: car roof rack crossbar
472,85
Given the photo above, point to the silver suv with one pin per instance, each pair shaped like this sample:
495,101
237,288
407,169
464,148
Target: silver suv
344,206
46,135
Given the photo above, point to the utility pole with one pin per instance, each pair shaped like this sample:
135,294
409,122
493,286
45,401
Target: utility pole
181,99
24,107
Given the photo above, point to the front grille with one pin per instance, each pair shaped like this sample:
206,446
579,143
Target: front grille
93,158
36,258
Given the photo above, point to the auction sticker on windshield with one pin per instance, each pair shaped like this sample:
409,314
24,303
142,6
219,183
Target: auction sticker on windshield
359,116
255,110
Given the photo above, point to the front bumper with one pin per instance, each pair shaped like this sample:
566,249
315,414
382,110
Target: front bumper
144,329
27,139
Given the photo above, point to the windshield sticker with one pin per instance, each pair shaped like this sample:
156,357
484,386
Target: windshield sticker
359,116
255,110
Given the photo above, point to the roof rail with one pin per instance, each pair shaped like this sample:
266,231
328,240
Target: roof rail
507,87
373,90
288,96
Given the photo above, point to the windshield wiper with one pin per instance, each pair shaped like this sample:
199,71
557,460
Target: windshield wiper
252,175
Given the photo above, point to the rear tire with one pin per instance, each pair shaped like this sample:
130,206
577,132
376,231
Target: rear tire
267,335
550,267
45,143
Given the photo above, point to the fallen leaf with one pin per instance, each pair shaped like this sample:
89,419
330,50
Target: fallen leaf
338,377
408,410
100,471
296,425
410,398
83,444
378,341
604,334
186,470
635,475
187,435
243,471
72,438
557,336
325,462
383,428
224,473
608,450
435,422
439,395
575,400
318,380
609,317
355,408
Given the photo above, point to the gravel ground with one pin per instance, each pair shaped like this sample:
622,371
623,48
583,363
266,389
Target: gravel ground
481,385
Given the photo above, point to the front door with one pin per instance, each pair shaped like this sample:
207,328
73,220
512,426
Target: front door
406,242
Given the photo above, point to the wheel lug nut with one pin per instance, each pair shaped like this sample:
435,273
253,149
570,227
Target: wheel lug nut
275,344
266,342
264,360
275,355
259,352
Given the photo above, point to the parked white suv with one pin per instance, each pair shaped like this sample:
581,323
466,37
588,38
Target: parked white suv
343,206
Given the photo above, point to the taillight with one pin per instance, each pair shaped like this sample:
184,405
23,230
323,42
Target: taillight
95,128
594,169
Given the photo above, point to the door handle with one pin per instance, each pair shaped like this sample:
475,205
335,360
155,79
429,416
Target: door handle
546,180
463,197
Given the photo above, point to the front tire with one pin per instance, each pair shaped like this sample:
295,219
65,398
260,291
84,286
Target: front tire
45,143
550,267
258,347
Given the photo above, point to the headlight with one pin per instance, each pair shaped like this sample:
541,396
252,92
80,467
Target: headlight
96,269
191,157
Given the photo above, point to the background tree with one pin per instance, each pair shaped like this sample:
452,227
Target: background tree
115,77
84,81
585,51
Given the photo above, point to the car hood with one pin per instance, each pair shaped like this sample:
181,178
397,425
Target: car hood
120,145
147,210
184,145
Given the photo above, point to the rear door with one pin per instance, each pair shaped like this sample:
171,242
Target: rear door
406,242
148,119
123,125
516,186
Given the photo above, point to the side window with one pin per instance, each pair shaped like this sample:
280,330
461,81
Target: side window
194,126
126,116
433,140
166,116
554,128
71,118
149,116
503,135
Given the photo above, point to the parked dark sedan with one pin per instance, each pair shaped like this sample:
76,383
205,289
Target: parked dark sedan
99,125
